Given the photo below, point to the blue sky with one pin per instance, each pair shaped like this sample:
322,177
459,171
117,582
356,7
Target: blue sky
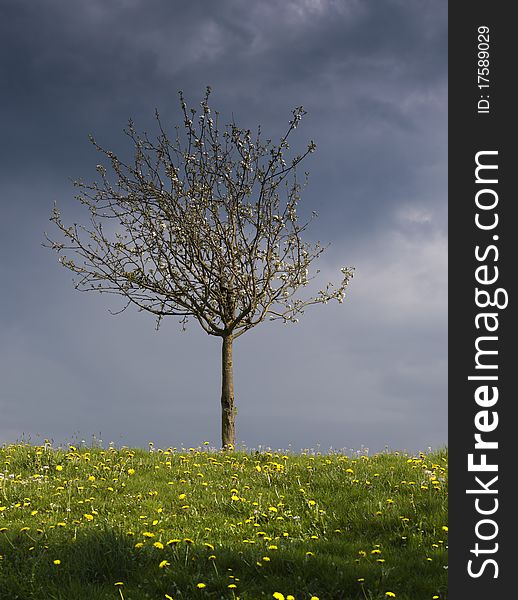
373,77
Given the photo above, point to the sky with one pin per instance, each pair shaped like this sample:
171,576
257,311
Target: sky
372,76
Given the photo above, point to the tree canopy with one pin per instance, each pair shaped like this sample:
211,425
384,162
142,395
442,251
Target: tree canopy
203,225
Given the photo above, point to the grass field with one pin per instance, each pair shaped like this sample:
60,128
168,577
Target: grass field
91,524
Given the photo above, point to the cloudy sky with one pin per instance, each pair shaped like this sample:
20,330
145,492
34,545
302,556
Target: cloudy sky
372,75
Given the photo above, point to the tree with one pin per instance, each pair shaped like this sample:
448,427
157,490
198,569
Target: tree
201,226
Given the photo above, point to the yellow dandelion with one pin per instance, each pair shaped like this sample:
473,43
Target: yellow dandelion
57,561
159,545
232,586
88,517
59,467
119,583
278,596
200,586
390,594
163,564
266,558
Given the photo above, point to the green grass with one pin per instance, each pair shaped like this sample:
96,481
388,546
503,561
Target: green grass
160,522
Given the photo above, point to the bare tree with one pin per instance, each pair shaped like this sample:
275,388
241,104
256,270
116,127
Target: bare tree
201,226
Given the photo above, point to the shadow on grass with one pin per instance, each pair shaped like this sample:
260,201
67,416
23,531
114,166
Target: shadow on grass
93,562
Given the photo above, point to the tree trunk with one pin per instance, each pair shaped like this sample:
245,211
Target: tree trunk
228,411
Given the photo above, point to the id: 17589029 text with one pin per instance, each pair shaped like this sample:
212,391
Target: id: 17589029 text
483,70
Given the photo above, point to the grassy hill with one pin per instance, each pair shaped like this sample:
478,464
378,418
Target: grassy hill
186,524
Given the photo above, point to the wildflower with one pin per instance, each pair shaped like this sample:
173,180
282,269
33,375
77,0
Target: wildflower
119,583
266,558
163,564
232,586
148,534
390,594
360,579
200,586
57,561
159,545
278,596
168,597
131,471
59,467
310,554
88,517
445,528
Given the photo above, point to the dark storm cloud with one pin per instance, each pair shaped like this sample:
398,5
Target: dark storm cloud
372,75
